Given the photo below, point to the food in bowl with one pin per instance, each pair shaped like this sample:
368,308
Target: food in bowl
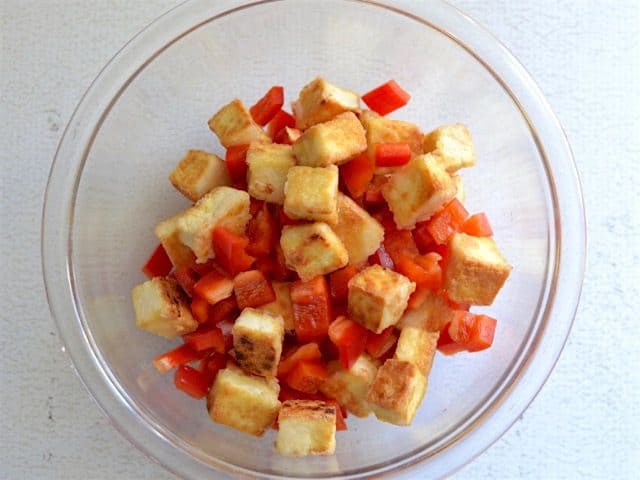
322,264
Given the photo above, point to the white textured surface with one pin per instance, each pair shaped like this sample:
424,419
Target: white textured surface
585,56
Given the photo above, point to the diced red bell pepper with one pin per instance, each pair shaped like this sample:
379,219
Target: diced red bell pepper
213,287
446,345
455,305
255,206
341,424
386,98
478,225
308,351
222,310
178,356
268,106
311,309
281,120
351,339
447,221
339,281
473,332
357,174
206,338
252,289
382,258
200,309
423,270
212,364
399,243
392,154
380,343
186,278
422,237
307,376
262,232
236,161
158,264
418,297
287,136
201,269
226,327
191,381
230,250
373,194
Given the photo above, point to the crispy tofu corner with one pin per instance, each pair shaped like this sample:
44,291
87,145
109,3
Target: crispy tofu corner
257,341
320,101
198,173
311,193
268,165
306,427
234,125
453,144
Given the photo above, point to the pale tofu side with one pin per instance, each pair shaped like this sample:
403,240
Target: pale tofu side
161,308
476,270
350,387
282,305
386,130
331,143
378,297
244,402
198,173
234,125
167,232
417,346
417,190
432,315
223,206
268,165
312,249
311,193
306,427
397,391
320,101
257,341
360,233
459,184
454,145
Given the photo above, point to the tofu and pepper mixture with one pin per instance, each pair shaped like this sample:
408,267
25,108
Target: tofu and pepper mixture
323,263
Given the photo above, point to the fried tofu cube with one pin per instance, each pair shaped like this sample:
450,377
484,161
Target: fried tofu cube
454,145
476,270
234,125
378,297
198,173
161,308
458,182
331,143
312,249
312,193
432,315
350,387
223,206
360,233
268,165
386,130
320,101
167,232
243,401
282,305
417,190
257,341
417,346
306,427
397,391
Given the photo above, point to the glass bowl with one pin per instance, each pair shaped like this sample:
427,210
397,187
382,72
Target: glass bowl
108,188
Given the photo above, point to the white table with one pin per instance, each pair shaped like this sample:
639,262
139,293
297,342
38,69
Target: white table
586,57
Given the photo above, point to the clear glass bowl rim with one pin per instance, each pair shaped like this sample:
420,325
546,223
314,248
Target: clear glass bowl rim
565,275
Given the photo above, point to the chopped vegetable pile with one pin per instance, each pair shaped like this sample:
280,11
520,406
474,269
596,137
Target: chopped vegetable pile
323,262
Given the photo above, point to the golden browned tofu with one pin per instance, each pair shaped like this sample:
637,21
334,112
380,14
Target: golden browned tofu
268,165
282,305
350,387
397,391
432,315
360,233
312,249
312,193
417,190
162,308
458,182
223,206
377,297
198,173
454,145
257,341
234,125
476,270
320,101
417,346
331,143
386,130
306,427
243,401
167,232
